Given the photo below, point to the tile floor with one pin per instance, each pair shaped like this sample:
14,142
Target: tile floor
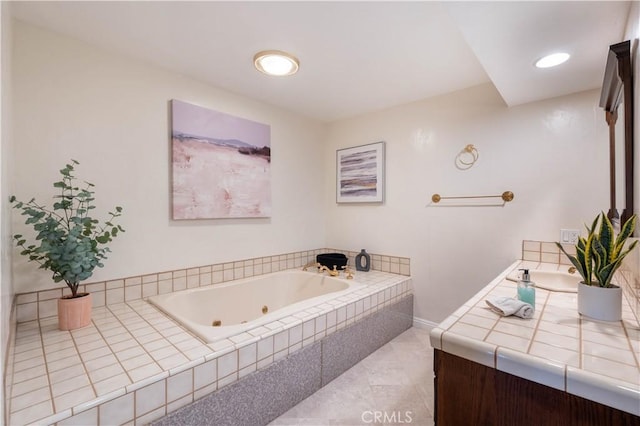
393,385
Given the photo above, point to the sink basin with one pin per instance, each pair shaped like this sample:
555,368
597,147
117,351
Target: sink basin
551,280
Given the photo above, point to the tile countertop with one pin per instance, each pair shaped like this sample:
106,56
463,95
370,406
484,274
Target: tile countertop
593,359
134,359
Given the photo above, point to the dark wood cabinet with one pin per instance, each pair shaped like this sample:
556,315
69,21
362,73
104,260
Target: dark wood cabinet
469,394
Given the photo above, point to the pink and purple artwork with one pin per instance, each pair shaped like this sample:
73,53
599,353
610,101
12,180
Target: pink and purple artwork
360,174
221,164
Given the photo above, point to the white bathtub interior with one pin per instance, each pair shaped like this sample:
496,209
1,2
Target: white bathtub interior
248,303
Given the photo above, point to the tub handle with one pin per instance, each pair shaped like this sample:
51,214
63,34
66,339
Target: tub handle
348,272
265,309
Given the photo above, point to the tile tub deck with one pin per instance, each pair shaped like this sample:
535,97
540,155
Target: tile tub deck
135,364
558,347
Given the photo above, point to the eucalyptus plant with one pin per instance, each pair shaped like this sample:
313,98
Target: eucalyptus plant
600,254
70,242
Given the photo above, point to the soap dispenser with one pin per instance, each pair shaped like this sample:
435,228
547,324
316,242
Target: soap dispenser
527,289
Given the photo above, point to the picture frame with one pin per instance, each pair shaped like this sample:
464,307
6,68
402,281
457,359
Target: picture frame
360,174
221,164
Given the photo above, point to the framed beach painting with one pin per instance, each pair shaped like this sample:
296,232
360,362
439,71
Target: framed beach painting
221,164
360,174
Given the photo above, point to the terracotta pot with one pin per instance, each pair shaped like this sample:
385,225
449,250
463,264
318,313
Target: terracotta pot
74,312
601,303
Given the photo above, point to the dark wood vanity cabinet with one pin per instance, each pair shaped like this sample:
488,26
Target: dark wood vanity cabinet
470,394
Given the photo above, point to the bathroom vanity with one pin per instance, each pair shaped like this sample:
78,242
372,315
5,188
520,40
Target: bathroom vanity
556,368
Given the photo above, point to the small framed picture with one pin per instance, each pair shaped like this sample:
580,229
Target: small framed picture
360,174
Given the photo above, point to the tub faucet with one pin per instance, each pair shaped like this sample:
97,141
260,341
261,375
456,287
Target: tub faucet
310,264
348,273
333,272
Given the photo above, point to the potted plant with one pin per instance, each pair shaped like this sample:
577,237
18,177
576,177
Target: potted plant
597,258
70,242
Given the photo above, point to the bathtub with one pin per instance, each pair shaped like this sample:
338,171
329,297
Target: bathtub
244,304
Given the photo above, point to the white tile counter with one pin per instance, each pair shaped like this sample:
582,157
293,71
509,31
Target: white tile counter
592,359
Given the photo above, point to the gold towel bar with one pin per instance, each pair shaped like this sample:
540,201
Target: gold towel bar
506,197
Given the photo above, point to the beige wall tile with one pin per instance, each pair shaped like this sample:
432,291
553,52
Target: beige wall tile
205,374
27,312
150,397
88,417
227,364
115,284
132,292
118,411
179,403
115,296
150,417
247,355
48,308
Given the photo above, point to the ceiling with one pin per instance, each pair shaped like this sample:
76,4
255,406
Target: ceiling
355,57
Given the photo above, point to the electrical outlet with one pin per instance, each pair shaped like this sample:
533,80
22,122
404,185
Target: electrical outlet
569,236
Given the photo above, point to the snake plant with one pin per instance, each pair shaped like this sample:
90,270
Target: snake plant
600,254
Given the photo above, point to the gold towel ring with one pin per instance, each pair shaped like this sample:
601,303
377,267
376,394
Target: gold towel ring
467,157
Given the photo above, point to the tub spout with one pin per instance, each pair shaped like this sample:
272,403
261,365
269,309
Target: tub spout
333,272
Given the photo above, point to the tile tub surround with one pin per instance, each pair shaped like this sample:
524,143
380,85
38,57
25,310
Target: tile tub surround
557,347
264,395
136,364
43,304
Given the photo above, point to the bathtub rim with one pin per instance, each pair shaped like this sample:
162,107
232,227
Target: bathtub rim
201,331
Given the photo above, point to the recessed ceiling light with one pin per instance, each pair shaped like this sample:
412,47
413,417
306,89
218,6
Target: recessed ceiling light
276,62
552,60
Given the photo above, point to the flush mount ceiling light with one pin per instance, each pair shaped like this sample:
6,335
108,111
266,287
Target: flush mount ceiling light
552,60
276,62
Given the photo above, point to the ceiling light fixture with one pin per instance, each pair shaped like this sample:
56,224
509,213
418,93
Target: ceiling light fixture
276,62
552,60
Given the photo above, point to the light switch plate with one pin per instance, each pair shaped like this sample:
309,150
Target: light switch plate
569,236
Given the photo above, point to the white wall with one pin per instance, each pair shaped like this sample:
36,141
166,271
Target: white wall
551,154
6,287
110,113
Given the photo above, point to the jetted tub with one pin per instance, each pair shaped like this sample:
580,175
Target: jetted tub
240,305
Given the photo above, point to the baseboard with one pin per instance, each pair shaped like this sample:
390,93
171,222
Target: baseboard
424,324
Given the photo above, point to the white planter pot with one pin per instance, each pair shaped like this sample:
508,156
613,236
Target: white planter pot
600,303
